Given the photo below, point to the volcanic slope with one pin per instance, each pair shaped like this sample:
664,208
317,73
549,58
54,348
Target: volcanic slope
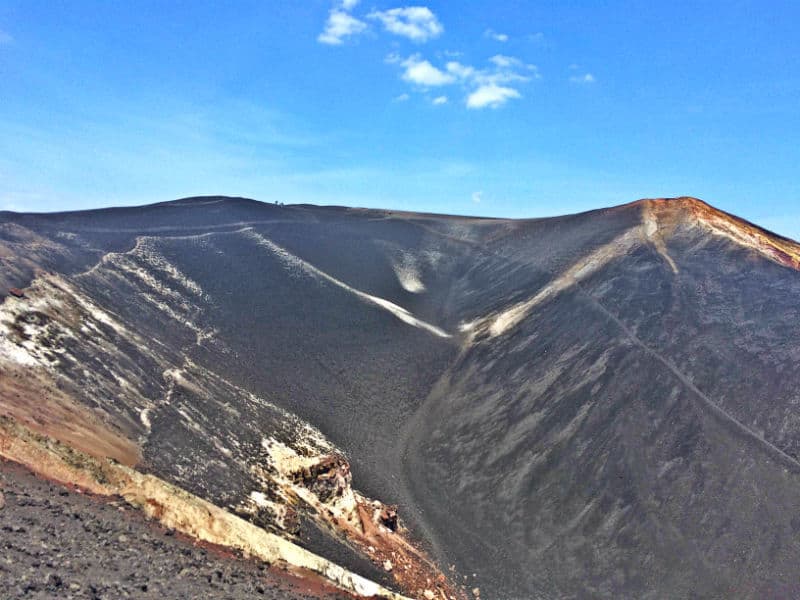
599,405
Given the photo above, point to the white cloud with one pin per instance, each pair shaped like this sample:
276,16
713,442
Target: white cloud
498,37
507,69
340,25
477,197
401,98
422,72
5,38
439,100
503,61
491,95
491,87
349,4
461,71
585,78
417,23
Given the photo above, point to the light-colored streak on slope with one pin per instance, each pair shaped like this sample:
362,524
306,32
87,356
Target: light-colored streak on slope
783,252
649,230
58,325
176,298
149,254
109,257
511,317
297,263
408,274
652,231
716,410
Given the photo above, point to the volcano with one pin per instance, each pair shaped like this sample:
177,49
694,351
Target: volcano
429,406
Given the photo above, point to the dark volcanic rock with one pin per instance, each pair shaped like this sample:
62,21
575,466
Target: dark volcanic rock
78,546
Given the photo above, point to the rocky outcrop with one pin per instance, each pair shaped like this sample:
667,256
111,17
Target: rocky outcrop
172,507
322,486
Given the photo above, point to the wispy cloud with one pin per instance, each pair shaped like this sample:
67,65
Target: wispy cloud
477,197
504,69
417,23
5,38
341,24
504,61
492,87
579,75
421,72
492,96
496,36
459,70
401,98
439,100
585,78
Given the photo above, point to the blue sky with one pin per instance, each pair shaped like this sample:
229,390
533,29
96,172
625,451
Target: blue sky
506,109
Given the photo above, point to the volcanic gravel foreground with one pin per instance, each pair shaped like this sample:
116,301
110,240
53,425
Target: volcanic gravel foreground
218,397
60,543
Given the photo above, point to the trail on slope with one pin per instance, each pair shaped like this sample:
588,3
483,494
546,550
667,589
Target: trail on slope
704,399
296,262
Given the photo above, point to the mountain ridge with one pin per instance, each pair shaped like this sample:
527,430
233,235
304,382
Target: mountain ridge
698,208
608,387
